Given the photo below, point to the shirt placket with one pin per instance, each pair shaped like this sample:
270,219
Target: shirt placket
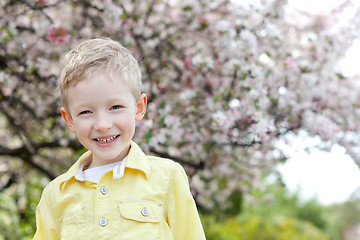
103,213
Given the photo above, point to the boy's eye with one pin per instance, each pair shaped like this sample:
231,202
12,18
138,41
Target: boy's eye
116,107
84,112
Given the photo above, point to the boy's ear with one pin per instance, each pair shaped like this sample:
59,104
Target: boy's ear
141,107
68,119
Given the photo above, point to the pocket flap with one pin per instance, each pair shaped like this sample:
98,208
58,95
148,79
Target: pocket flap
141,211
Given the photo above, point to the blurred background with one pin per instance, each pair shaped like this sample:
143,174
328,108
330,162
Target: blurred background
257,99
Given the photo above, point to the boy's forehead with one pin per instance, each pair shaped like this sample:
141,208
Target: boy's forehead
99,85
99,75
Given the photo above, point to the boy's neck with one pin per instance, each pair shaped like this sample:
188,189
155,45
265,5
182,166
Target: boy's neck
90,163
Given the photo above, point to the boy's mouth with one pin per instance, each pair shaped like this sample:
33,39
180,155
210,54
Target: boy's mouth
106,140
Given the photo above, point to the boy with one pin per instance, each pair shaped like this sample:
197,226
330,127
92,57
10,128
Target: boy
114,191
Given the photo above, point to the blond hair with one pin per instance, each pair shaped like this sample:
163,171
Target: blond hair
97,54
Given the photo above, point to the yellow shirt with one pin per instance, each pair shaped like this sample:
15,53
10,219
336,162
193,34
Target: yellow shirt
151,201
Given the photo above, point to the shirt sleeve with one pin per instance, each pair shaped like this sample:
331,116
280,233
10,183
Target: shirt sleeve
182,214
46,224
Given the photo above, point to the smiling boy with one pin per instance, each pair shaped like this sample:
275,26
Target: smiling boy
113,191
102,112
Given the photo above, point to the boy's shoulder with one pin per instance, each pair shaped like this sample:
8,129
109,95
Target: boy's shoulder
162,162
165,168
57,183
138,159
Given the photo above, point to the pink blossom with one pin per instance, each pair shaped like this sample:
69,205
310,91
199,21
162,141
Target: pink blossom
189,66
291,65
41,2
59,35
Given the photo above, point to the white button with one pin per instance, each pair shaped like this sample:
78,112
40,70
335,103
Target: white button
103,222
103,190
145,212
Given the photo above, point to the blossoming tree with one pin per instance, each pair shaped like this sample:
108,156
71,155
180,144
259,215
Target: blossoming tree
224,80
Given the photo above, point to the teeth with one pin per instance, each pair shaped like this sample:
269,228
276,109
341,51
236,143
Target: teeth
106,140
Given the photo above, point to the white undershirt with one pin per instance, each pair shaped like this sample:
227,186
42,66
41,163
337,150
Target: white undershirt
94,174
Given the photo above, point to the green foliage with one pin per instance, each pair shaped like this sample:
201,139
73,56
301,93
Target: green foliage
272,214
313,212
275,214
17,207
343,216
276,200
8,219
256,227
233,206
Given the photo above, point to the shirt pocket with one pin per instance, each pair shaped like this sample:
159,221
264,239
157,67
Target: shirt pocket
142,219
73,224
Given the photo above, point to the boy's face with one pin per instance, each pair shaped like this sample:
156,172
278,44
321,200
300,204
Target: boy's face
103,112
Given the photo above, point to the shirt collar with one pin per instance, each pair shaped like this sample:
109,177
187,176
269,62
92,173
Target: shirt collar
136,159
118,170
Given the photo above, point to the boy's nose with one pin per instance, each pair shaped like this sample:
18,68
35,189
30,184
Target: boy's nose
103,124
